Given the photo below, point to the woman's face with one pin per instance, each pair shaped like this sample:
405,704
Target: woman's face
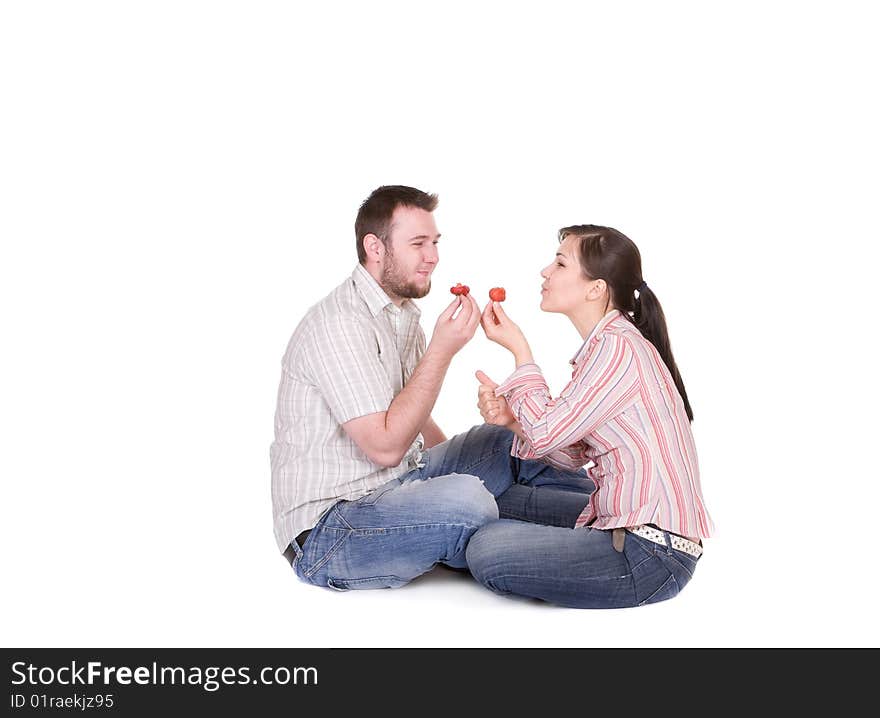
565,287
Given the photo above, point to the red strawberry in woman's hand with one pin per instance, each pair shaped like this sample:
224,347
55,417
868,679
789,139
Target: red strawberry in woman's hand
497,294
460,290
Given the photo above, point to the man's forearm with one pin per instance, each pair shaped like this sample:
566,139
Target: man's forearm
412,407
432,433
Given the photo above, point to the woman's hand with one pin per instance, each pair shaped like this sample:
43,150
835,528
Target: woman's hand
501,330
494,410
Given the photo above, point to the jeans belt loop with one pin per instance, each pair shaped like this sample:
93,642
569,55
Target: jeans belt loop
290,551
618,536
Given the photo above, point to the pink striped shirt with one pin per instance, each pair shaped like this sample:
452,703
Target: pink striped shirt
621,411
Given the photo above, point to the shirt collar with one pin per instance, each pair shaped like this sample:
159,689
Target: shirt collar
594,335
375,296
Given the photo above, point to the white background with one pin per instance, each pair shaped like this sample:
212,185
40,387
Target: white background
178,184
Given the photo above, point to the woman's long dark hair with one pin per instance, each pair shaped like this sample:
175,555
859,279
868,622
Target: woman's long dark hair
605,253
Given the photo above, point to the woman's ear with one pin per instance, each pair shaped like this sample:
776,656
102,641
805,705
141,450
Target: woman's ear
597,289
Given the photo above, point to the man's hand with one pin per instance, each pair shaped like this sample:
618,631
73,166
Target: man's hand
451,333
494,410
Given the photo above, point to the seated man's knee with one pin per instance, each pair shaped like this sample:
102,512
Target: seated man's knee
488,434
472,502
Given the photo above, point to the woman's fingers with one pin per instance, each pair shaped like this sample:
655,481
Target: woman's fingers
485,379
485,403
486,390
499,312
487,319
488,405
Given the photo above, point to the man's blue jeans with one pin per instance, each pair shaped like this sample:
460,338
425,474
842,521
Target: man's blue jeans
427,516
578,568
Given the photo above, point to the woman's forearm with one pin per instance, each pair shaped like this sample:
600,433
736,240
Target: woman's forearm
522,354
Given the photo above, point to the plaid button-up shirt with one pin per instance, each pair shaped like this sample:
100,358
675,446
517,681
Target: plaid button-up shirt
350,356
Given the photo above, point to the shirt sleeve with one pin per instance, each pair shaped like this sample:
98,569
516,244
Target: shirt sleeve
601,388
342,357
418,353
568,458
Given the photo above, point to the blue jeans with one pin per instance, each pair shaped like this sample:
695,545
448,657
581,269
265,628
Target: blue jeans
427,516
578,568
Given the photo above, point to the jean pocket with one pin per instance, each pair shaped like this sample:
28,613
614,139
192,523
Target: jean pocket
638,550
320,549
681,561
666,590
341,584
680,565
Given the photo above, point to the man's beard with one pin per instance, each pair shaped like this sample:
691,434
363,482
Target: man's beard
393,282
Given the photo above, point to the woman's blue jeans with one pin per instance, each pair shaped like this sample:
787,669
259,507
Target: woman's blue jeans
427,516
579,568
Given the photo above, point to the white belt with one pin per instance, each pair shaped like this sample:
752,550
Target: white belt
679,543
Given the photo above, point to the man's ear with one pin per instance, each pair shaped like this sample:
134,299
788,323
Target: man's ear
374,247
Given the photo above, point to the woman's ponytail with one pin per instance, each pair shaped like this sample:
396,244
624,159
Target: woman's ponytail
651,322
608,254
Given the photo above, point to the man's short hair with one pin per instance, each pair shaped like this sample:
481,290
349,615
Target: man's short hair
374,216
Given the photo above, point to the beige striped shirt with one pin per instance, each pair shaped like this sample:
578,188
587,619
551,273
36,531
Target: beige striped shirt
350,356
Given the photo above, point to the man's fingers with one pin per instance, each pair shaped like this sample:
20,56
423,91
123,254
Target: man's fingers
469,309
474,317
466,309
450,310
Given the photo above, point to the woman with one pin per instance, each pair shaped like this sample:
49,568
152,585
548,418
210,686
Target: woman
638,540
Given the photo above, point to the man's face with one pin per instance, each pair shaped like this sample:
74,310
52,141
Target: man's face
411,253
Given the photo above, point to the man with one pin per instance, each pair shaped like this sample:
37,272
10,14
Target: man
366,491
